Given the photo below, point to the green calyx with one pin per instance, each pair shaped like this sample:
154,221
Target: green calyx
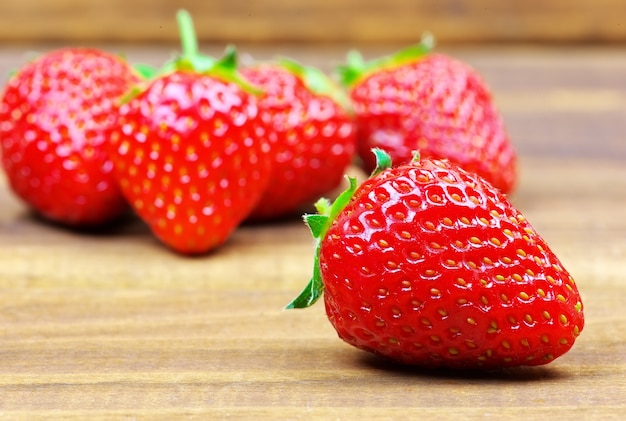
320,222
145,71
191,60
358,69
317,81
383,161
226,68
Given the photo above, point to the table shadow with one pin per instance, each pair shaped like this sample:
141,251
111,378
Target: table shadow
128,223
504,374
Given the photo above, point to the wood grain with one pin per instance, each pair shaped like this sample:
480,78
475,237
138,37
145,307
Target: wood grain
315,20
111,325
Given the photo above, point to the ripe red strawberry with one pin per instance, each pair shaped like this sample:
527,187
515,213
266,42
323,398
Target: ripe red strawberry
428,264
418,100
53,116
189,150
312,134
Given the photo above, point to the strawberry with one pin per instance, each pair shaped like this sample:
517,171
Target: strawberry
431,265
188,150
54,114
312,133
416,99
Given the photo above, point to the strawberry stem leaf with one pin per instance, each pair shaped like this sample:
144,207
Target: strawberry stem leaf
146,71
229,59
350,73
323,206
316,223
319,224
317,81
341,201
357,69
383,161
310,294
226,67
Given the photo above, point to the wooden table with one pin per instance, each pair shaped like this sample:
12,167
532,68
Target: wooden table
113,325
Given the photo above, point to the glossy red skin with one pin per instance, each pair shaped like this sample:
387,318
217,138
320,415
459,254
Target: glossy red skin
191,158
439,106
468,291
313,141
53,117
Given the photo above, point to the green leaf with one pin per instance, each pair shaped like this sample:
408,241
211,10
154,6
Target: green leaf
317,81
355,59
414,51
130,94
343,199
316,223
226,67
350,73
357,69
323,206
229,59
309,295
383,161
146,71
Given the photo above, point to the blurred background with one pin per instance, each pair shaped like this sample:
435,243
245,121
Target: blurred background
556,67
315,21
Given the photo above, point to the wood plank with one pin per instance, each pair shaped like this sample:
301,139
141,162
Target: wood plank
315,20
113,325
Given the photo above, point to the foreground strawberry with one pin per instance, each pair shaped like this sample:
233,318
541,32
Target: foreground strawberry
416,99
312,134
189,150
54,114
428,264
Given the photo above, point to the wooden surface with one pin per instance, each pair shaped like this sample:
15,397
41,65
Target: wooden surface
316,20
111,325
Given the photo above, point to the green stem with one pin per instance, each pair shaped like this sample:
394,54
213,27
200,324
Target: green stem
188,37
190,58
